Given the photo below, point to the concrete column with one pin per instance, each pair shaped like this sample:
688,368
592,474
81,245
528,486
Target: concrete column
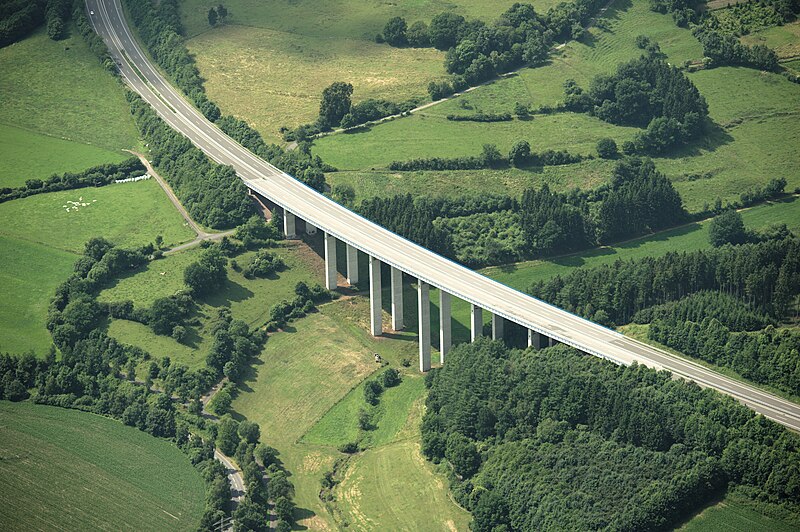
424,313
330,262
476,322
352,265
397,299
445,325
376,326
310,229
534,339
289,230
498,326
551,342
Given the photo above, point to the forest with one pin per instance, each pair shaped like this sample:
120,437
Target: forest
638,200
557,440
765,275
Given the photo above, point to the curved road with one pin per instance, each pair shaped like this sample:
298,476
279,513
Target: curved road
136,69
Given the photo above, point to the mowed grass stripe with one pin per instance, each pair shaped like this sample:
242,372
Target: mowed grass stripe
70,470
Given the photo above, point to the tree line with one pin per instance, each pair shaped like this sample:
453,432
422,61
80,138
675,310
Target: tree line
97,373
96,176
646,93
639,199
765,275
556,439
212,193
477,51
520,155
18,18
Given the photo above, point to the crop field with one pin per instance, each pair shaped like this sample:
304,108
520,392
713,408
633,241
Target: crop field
754,139
40,242
54,477
59,110
271,60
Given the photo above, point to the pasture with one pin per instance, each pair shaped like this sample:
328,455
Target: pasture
41,241
735,513
271,60
59,109
70,470
754,138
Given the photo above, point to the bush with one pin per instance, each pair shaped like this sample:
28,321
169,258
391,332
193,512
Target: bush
607,148
520,153
391,377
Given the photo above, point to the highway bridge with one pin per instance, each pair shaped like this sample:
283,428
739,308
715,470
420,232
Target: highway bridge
545,323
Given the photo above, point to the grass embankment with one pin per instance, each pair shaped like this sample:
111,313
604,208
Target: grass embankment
59,110
271,60
70,470
754,141
41,241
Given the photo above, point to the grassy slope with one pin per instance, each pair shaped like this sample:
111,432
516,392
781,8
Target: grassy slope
785,40
40,242
272,60
53,476
757,112
305,374
55,91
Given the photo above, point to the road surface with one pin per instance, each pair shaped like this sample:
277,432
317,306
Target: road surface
394,250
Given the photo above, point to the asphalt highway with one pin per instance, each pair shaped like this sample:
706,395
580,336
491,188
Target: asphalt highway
136,69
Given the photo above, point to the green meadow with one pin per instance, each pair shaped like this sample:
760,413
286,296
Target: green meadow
753,139
70,470
59,110
41,241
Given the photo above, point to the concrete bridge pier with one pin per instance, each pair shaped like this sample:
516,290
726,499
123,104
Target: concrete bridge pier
397,299
445,325
424,313
498,327
289,225
375,322
536,340
310,229
330,262
476,322
352,265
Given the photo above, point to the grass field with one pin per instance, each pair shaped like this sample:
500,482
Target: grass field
734,514
785,40
272,59
73,113
306,385
40,242
69,470
25,154
755,138
370,184
29,276
127,214
248,299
